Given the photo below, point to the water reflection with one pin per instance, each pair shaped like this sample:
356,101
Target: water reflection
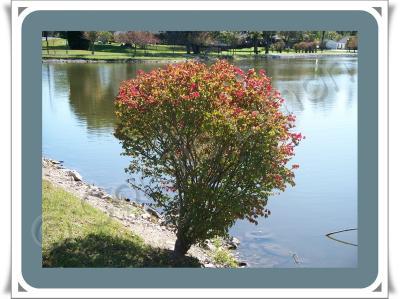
93,87
90,95
92,90
78,126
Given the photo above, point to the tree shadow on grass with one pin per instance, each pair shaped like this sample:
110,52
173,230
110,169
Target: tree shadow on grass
103,251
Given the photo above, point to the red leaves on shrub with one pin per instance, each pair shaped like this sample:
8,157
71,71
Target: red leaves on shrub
215,133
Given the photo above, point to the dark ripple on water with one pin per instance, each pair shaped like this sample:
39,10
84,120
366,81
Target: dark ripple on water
264,251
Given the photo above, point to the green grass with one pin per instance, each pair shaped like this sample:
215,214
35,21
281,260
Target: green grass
74,234
54,42
114,51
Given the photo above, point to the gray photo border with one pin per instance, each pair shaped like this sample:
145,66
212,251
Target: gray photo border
359,277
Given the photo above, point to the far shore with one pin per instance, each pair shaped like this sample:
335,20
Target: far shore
200,58
84,60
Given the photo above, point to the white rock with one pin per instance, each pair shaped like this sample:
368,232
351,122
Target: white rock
208,245
97,193
152,212
75,175
145,216
235,241
209,265
106,196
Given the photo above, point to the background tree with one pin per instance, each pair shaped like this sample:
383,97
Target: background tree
322,41
143,39
104,36
131,39
290,37
231,38
46,34
333,35
278,46
63,35
77,41
194,41
307,36
172,38
210,142
199,39
120,37
186,40
268,38
136,39
347,33
352,43
91,36
255,37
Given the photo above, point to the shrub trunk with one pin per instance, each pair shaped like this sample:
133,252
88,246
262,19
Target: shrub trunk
182,246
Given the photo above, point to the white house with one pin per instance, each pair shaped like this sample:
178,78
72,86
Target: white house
341,44
331,44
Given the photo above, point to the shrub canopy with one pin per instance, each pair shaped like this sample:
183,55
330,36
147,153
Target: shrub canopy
210,144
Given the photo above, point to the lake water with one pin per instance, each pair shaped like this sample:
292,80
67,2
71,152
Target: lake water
78,125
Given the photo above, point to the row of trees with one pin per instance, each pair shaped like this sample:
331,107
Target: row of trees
198,41
136,39
307,41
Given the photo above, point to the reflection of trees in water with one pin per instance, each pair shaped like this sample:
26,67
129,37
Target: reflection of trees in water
54,83
92,90
55,88
295,69
294,98
48,76
91,96
309,80
93,87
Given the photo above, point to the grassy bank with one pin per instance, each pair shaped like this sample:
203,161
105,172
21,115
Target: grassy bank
58,49
74,234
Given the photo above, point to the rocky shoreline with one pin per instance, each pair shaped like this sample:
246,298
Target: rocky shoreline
308,55
128,60
142,220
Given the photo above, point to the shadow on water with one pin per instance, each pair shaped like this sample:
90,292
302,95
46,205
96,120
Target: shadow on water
103,251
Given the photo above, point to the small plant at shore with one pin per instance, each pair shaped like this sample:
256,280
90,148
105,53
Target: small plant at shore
224,258
221,255
209,143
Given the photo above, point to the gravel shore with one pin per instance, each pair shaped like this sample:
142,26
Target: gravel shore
142,220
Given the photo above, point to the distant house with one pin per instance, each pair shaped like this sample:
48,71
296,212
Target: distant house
331,44
276,37
341,44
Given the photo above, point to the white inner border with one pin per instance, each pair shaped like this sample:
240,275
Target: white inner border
215,6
